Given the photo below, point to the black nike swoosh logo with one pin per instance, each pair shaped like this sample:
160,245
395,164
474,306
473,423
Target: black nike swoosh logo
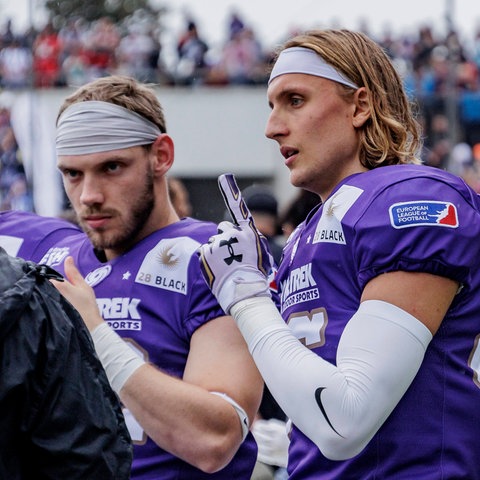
318,398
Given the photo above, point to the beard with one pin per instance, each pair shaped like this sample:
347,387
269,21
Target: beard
132,224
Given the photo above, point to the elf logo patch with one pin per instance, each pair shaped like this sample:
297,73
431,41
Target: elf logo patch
423,212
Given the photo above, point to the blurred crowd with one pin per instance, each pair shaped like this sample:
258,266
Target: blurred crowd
441,73
81,51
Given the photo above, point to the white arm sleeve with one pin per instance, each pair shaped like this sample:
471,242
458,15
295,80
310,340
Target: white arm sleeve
339,407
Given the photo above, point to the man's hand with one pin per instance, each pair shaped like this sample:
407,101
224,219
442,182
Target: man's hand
236,263
81,295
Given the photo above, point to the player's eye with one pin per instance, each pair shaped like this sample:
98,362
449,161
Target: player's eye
295,100
112,167
72,174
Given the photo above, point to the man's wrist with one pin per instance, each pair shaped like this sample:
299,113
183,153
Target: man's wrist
118,359
256,317
241,288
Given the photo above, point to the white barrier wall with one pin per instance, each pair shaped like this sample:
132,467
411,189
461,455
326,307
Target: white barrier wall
215,130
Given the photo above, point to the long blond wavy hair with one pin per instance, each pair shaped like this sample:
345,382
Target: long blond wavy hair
392,135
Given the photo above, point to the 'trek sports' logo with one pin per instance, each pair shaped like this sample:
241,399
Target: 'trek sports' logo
121,313
423,212
300,286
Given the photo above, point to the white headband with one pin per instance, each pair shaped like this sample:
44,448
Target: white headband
95,126
305,60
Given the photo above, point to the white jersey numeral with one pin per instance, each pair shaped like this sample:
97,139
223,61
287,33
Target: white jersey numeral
309,327
474,361
138,435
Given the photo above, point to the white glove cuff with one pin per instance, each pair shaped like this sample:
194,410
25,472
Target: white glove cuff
239,288
118,359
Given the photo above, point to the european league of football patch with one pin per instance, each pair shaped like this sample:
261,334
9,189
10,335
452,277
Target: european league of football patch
423,212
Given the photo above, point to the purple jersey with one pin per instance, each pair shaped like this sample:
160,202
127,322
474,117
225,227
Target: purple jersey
410,218
29,236
155,297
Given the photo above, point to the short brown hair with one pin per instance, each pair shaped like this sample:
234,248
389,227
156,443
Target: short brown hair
124,91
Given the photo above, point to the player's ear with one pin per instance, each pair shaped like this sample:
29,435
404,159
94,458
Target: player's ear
362,107
162,153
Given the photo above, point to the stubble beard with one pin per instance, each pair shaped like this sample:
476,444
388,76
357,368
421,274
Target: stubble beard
129,232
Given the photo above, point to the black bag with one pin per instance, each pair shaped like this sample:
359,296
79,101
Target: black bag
59,418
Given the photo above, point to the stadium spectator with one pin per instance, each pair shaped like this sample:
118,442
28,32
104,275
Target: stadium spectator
137,54
101,41
15,65
242,60
15,191
47,50
191,67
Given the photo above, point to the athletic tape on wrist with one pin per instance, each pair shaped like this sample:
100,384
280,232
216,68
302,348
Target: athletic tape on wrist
118,359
